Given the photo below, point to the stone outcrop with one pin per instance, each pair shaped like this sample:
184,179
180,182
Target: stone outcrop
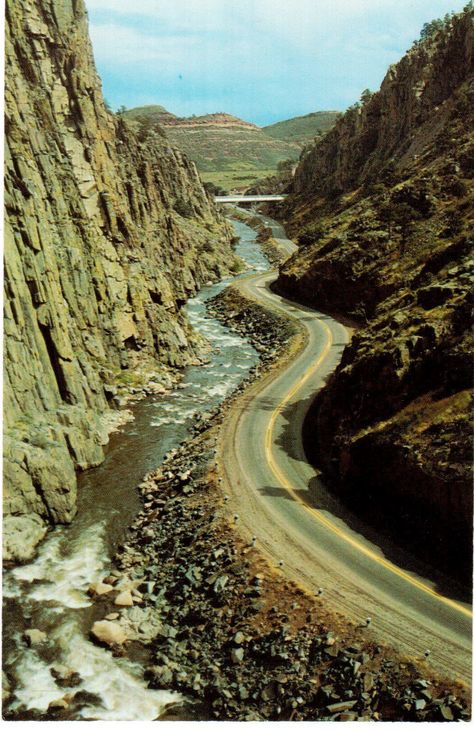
383,209
106,237
395,125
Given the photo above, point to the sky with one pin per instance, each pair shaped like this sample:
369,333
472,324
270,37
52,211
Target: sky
261,60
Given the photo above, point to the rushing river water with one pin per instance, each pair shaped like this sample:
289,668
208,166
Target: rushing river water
50,593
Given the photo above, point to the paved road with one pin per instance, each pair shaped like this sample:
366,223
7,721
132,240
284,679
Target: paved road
279,498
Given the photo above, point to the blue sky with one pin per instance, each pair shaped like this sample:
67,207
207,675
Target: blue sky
261,60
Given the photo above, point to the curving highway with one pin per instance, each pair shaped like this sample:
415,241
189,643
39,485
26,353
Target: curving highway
280,499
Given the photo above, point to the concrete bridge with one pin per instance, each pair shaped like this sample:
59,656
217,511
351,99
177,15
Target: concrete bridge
248,199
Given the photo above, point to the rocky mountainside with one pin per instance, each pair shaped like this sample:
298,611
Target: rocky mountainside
107,236
383,208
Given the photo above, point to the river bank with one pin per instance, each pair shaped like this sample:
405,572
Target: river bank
230,633
52,593
209,618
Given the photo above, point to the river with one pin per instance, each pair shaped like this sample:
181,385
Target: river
50,593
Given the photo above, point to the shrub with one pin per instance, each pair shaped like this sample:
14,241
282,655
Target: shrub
184,208
311,235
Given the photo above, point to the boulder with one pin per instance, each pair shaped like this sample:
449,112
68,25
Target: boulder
34,636
58,704
237,655
6,689
108,632
100,588
21,535
124,599
65,676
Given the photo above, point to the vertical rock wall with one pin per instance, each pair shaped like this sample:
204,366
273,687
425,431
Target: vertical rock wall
106,237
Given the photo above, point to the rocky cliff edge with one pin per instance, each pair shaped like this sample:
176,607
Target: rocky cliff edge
106,237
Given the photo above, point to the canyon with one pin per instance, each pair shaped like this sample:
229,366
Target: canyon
152,425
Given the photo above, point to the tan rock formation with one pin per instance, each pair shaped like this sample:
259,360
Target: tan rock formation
109,633
106,237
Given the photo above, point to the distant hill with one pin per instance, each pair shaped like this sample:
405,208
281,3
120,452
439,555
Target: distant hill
302,130
228,151
153,113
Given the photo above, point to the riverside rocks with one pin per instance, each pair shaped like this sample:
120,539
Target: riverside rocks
65,677
268,333
20,536
124,599
108,633
34,636
6,688
238,640
100,588
99,260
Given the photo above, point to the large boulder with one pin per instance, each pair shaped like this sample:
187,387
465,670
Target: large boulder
108,633
21,535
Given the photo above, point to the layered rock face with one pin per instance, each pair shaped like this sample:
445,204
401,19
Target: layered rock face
106,238
384,210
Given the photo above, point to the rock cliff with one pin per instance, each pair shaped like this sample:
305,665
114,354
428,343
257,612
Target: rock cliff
106,237
383,209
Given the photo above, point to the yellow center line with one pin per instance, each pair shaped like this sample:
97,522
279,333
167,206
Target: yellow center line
317,514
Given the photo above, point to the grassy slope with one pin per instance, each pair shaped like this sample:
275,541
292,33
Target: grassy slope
215,148
302,129
229,156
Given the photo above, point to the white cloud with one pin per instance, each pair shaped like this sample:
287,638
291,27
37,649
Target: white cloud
252,54
122,46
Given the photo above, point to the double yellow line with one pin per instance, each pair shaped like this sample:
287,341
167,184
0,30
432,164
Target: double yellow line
317,514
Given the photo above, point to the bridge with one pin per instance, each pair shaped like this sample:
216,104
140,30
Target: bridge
248,199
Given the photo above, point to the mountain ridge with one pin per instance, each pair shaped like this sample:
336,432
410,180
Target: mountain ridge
304,128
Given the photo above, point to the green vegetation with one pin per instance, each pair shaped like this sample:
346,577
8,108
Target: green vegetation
302,130
434,26
230,153
217,148
229,179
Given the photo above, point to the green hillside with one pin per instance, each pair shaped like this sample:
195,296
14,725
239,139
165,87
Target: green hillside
228,151
302,130
217,148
